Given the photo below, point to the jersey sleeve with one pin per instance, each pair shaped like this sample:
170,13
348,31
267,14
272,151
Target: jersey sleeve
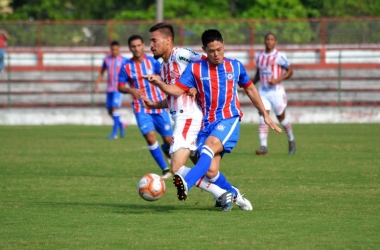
186,55
123,76
282,60
104,65
187,80
244,80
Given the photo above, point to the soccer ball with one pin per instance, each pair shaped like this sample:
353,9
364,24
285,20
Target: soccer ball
151,187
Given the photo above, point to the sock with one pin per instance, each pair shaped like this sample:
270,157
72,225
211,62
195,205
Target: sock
155,151
263,132
288,129
116,122
183,171
165,147
221,181
201,168
203,183
206,185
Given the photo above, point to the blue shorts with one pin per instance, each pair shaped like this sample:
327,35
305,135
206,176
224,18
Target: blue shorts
226,130
150,122
114,100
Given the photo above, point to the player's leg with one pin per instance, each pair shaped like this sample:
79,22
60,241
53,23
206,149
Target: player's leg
163,126
221,138
263,127
115,117
280,104
117,102
145,123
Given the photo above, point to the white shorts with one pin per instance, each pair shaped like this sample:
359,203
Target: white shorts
274,98
185,132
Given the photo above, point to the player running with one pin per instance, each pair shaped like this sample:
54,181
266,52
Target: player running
188,120
148,120
215,78
270,64
112,64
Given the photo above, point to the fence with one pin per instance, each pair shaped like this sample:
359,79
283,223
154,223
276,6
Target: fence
334,85
316,32
54,64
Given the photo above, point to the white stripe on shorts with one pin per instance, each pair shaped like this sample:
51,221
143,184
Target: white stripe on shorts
231,130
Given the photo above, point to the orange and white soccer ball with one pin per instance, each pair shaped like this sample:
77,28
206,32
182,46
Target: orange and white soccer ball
151,187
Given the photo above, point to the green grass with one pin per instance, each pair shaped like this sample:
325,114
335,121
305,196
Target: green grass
67,187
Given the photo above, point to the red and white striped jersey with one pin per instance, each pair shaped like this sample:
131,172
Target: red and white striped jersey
170,73
270,67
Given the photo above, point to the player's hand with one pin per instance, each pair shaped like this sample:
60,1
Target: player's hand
153,79
192,93
136,93
148,104
273,81
271,124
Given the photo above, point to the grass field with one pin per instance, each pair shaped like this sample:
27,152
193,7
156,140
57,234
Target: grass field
67,187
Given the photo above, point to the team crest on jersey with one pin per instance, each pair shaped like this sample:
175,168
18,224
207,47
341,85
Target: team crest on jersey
167,127
220,127
230,75
149,72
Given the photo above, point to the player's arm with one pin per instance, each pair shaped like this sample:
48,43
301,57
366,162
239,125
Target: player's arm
251,91
99,79
255,98
172,90
122,86
285,65
149,104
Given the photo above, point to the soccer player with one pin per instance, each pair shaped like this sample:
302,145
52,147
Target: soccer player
215,78
4,37
270,65
148,120
112,64
185,111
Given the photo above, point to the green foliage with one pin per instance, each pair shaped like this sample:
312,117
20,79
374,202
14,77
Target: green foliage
186,10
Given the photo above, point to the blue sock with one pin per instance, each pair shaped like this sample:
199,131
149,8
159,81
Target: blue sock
116,122
221,181
201,168
155,151
165,147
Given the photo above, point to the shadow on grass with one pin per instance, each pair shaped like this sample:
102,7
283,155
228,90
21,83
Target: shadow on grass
136,208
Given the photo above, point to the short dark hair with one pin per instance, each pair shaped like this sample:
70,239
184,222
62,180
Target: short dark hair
164,28
209,36
134,37
270,34
114,43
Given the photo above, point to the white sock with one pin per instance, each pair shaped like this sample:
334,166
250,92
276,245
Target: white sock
203,183
263,132
183,171
288,129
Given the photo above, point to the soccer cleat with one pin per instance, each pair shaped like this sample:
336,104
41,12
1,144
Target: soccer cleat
166,174
166,152
122,130
225,201
262,151
292,147
181,186
112,136
217,204
242,202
